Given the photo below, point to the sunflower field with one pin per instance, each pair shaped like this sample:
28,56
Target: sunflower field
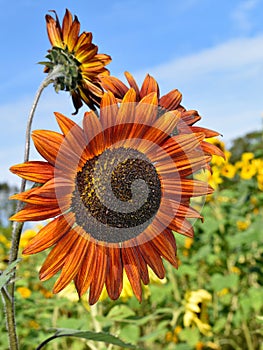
214,300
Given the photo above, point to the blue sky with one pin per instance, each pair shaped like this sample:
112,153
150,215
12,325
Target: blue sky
212,51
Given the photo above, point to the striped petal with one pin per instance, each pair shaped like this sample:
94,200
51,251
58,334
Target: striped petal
54,31
149,85
35,171
72,263
132,83
100,261
93,133
114,85
171,100
114,275
166,246
56,258
47,144
152,258
130,264
50,234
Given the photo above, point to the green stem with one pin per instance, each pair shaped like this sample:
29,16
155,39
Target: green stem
173,279
247,336
96,324
8,295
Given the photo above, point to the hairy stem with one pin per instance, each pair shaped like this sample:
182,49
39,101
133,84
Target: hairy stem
17,227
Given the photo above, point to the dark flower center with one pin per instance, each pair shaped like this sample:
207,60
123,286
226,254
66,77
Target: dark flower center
117,195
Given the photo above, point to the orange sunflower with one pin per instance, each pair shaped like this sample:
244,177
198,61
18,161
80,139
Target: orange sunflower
116,188
79,59
170,101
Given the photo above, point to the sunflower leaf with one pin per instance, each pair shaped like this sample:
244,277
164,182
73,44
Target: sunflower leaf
6,274
95,336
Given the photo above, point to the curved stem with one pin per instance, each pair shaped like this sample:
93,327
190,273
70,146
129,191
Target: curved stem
17,227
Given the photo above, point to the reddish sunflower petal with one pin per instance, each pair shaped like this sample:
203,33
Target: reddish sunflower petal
152,258
33,212
171,100
73,34
146,110
212,149
126,111
56,258
190,117
160,131
96,64
55,192
108,110
185,165
87,271
132,83
179,145
114,85
86,53
35,171
187,187
66,25
207,132
94,133
54,31
73,261
74,137
100,261
142,266
166,246
181,209
50,234
48,144
114,275
182,226
131,265
85,38
149,85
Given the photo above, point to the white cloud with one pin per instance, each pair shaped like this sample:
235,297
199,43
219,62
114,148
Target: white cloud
224,83
242,15
231,56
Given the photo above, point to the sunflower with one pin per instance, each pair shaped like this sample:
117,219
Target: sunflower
79,59
115,188
170,101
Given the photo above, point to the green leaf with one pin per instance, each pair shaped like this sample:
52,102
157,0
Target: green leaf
219,282
256,298
219,325
183,346
130,333
187,270
100,336
190,335
6,274
210,225
119,312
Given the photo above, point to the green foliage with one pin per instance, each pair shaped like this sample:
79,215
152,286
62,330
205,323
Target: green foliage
251,142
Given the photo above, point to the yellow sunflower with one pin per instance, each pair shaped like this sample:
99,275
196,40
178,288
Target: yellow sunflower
116,188
170,101
78,58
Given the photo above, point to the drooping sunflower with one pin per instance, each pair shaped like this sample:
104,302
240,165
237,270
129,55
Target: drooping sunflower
171,101
79,59
116,189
